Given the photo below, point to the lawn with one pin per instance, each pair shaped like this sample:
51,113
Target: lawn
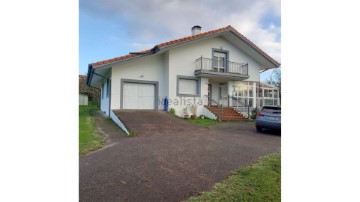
89,139
203,122
258,182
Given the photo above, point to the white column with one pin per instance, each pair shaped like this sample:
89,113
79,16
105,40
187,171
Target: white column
204,90
255,94
230,88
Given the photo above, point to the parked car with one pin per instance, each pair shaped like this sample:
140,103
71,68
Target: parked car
269,117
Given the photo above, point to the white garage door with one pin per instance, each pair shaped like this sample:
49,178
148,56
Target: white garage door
139,96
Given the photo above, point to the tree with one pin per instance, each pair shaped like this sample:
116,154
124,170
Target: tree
275,79
92,92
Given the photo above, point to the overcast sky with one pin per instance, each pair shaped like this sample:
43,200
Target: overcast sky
112,28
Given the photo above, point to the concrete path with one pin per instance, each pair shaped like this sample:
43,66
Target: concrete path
169,160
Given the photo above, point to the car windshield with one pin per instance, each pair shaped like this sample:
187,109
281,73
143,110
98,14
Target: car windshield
272,110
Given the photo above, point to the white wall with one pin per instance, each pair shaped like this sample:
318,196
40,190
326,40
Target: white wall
182,62
177,61
149,68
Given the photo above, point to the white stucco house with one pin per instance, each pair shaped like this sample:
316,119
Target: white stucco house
218,67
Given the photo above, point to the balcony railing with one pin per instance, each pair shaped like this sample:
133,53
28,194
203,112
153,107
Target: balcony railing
208,64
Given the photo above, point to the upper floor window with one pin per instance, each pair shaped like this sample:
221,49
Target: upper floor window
220,58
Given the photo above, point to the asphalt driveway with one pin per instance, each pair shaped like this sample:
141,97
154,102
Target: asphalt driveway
169,160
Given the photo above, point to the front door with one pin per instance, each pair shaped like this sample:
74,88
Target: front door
209,94
223,94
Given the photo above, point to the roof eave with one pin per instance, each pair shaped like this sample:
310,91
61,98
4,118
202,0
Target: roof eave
253,46
89,75
192,40
268,58
120,61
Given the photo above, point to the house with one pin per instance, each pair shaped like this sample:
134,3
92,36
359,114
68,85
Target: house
92,92
83,99
211,69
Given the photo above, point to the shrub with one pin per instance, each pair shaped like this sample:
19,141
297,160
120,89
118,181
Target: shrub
132,134
172,111
254,112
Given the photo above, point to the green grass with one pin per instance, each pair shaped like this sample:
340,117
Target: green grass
203,122
89,139
258,182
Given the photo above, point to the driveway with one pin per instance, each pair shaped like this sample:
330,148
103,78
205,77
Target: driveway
169,160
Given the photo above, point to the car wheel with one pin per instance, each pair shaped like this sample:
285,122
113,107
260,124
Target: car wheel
259,129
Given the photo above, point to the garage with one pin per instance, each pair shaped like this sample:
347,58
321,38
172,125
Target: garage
139,95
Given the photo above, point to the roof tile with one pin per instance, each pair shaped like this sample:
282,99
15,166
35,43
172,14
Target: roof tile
180,40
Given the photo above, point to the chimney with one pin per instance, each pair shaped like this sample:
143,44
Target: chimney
196,30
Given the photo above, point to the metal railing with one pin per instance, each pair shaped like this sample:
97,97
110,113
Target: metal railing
208,64
218,105
242,107
237,100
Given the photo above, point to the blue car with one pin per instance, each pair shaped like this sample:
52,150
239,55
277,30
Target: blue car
269,117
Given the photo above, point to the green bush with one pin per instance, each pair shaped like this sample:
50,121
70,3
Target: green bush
132,134
254,112
172,110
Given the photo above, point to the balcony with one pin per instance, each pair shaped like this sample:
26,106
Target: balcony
206,67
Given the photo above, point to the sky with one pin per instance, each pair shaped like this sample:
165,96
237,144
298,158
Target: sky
112,28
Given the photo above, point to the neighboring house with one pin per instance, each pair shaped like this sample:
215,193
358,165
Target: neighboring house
219,67
93,92
83,99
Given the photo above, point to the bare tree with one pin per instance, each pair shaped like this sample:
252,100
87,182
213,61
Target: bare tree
275,79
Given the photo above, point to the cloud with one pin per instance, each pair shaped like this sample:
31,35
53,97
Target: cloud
156,21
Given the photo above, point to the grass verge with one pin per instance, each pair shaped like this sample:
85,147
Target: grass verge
89,139
203,122
258,182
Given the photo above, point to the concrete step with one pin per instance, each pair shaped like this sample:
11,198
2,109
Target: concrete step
226,113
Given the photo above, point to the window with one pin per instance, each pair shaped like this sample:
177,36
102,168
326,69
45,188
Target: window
251,92
260,92
269,102
220,59
223,91
188,86
267,93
